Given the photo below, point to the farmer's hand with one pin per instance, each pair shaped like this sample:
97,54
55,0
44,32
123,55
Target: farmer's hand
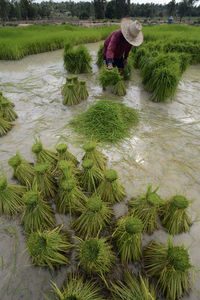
110,66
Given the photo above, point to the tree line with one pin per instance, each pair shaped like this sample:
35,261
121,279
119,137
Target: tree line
97,9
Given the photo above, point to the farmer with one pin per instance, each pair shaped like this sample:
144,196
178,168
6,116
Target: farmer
119,43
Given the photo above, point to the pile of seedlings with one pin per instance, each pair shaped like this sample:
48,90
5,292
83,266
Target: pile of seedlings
74,91
106,121
77,60
106,248
7,115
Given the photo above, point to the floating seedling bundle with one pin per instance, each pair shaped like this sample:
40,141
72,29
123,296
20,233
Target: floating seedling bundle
170,265
120,88
5,126
64,154
23,170
67,170
96,214
65,87
106,121
48,248
76,288
100,56
82,91
37,214
110,190
92,153
77,60
71,96
109,77
44,155
6,109
10,197
146,208
91,176
174,215
128,238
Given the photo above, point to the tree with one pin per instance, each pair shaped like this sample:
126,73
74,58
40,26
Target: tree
110,10
171,8
99,9
3,10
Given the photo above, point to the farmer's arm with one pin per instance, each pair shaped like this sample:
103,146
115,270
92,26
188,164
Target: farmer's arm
127,51
111,47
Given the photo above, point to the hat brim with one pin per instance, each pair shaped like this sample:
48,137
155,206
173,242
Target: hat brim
136,41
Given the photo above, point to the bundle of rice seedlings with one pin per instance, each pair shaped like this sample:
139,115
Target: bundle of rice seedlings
5,126
96,214
48,248
109,77
132,289
170,265
82,91
100,56
75,81
146,209
77,60
64,154
110,190
23,170
6,110
128,238
120,88
174,215
67,170
91,176
44,181
140,53
65,87
96,256
106,121
71,96
44,155
76,288
70,197
37,214
184,61
92,153
10,197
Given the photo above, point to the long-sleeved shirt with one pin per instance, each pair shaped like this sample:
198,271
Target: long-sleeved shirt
116,46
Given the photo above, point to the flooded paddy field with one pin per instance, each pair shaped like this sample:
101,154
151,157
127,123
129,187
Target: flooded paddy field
164,151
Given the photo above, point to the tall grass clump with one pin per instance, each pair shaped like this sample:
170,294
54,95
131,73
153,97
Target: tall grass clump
95,215
48,248
44,155
170,265
6,109
64,154
92,153
90,176
77,60
128,238
106,121
146,208
109,77
37,214
10,197
174,215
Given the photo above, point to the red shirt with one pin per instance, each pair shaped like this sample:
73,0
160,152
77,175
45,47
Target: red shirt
116,46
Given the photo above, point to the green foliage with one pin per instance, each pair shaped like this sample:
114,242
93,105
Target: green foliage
37,214
77,60
44,155
48,248
100,56
82,91
146,209
106,121
91,176
109,77
6,109
96,214
5,126
174,215
110,190
120,88
64,154
170,265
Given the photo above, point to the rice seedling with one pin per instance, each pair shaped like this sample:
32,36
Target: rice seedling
23,170
184,61
91,176
75,81
99,61
92,153
44,155
106,121
110,190
140,53
174,215
82,91
6,109
67,170
170,266
132,288
64,154
109,77
71,96
120,88
70,197
10,197
5,126
128,238
96,214
77,60
76,288
37,214
96,256
65,87
146,209
44,181
48,248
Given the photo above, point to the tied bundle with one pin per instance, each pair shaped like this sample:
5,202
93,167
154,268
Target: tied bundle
120,88
44,155
92,153
91,176
71,96
82,91
64,154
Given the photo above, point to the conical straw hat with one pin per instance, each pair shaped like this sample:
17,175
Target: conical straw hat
132,31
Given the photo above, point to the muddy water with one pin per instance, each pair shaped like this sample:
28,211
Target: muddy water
163,151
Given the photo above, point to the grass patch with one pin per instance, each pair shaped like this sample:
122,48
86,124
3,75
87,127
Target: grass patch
106,121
